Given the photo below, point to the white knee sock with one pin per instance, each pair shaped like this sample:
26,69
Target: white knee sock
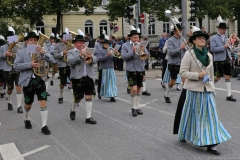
74,105
61,93
1,89
44,115
19,99
26,114
138,98
52,77
46,83
134,101
88,105
144,86
9,98
228,85
167,91
178,86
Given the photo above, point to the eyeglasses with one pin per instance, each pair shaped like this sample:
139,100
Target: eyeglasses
201,38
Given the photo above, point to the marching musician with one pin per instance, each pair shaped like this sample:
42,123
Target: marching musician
32,83
64,69
108,77
222,57
175,51
82,76
11,75
2,42
134,68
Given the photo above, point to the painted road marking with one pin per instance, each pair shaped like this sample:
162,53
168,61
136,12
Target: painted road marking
10,152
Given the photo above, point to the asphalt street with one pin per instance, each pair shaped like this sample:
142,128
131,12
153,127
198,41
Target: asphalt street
117,135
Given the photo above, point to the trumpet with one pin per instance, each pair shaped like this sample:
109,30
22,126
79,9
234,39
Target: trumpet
114,53
42,71
143,56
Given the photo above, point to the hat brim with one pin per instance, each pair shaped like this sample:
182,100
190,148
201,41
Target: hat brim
129,35
198,35
222,27
83,40
26,38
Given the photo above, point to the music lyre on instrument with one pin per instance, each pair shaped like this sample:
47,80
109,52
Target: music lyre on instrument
143,56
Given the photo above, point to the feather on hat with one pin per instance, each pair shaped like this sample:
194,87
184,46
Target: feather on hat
52,35
11,29
1,37
66,30
134,31
103,31
80,32
221,23
219,19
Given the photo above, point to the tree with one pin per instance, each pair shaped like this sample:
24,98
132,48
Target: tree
33,10
116,8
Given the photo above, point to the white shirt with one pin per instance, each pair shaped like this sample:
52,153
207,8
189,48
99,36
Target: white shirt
84,69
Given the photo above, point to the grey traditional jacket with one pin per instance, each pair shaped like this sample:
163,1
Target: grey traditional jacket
105,61
5,66
133,61
97,47
22,63
49,47
217,48
174,53
77,65
59,48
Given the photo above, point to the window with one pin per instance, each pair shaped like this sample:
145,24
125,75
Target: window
103,26
89,27
40,27
166,27
192,23
151,29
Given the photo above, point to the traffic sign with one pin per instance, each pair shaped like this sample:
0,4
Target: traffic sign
142,17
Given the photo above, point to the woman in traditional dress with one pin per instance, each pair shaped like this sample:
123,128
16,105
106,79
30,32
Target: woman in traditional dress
199,121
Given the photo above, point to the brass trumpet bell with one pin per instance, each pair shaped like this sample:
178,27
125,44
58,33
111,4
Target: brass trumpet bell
21,37
143,56
73,34
114,53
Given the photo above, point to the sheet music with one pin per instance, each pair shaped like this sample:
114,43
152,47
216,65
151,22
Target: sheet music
89,50
86,44
12,39
67,37
117,47
31,48
144,43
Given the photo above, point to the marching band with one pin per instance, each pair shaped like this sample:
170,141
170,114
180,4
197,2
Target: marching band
25,68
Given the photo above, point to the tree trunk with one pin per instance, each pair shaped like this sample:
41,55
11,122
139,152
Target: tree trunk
58,27
200,22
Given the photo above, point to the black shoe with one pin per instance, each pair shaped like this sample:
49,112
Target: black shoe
51,83
58,78
90,121
60,100
10,107
128,91
2,95
146,93
112,99
163,85
183,141
48,94
28,124
134,112
238,79
215,152
20,110
72,115
167,99
99,96
178,89
45,130
139,111
69,87
230,98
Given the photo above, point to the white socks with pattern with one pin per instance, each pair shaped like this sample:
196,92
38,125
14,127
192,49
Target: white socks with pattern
88,105
9,98
228,85
44,115
134,97
19,99
138,98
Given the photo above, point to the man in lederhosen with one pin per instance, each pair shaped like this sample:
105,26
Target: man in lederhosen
64,69
11,75
134,68
222,57
176,50
82,76
31,82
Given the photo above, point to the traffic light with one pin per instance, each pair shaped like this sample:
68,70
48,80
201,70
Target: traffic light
190,9
129,13
151,19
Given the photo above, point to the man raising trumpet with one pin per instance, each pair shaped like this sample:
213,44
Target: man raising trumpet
82,76
134,68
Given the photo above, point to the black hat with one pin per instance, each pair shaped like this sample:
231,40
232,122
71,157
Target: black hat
178,26
2,42
102,36
171,33
198,33
79,38
222,25
52,36
31,35
62,34
57,40
134,31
